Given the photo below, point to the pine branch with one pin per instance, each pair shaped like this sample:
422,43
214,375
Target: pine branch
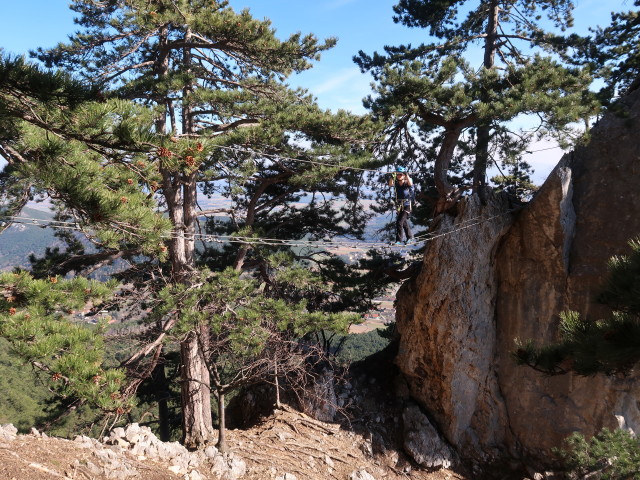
11,155
147,349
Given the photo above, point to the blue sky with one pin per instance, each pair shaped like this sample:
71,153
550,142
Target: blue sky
336,81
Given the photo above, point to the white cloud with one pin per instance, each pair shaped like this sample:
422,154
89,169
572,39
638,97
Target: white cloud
337,81
344,88
338,4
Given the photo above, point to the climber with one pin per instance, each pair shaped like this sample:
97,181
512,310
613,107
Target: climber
405,194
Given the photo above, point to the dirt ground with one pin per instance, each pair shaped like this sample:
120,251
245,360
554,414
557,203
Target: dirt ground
31,457
288,442
282,444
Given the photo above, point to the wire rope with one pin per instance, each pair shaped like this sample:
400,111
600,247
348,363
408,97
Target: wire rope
258,241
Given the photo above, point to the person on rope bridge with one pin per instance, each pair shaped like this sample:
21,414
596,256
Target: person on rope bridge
405,195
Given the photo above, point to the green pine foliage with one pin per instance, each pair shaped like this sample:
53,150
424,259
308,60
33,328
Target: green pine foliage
104,186
612,455
358,346
586,347
242,312
622,290
34,316
24,397
612,53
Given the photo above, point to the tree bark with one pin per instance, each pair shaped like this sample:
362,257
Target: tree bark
484,128
196,384
222,425
443,160
197,425
276,381
481,162
162,397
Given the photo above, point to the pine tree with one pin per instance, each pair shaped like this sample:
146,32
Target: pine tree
430,95
610,455
611,53
254,336
188,99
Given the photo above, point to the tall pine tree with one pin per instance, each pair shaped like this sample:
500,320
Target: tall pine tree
613,53
190,99
431,94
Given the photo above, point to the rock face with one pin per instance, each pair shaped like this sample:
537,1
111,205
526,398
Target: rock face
446,321
502,275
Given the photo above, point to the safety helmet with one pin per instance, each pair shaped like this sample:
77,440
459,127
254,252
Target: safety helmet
401,169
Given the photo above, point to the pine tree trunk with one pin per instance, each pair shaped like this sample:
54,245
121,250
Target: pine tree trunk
451,136
161,391
195,391
222,424
481,162
484,129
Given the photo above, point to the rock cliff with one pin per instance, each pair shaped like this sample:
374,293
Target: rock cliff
498,274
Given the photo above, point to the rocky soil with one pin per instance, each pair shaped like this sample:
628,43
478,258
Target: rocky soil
287,445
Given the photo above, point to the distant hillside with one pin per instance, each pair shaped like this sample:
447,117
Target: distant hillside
20,240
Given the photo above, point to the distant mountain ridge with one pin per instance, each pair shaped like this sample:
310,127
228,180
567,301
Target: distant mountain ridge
22,239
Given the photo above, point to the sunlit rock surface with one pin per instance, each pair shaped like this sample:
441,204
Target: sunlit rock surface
508,275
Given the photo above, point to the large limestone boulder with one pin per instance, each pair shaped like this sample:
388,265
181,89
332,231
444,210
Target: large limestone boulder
554,259
501,276
446,322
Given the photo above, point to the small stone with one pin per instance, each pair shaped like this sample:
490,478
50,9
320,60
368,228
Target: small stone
553,476
366,448
93,468
121,442
238,467
177,469
287,476
194,475
361,475
8,432
219,466
85,442
210,451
